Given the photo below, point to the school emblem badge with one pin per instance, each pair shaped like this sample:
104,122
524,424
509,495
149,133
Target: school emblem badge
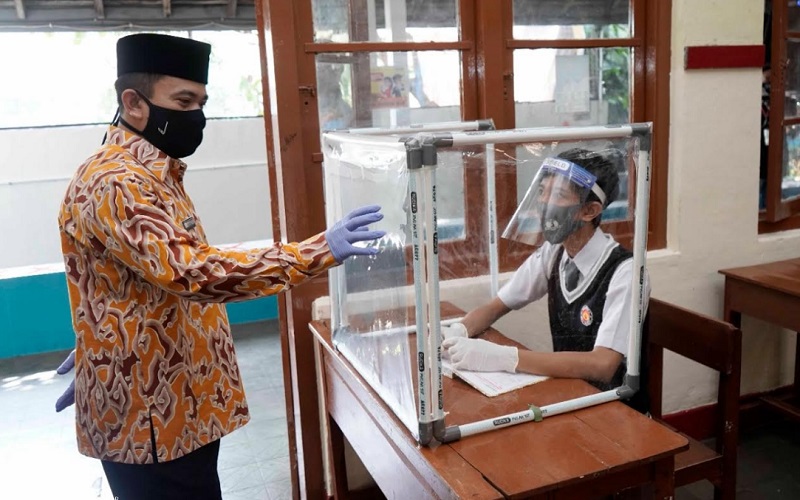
586,316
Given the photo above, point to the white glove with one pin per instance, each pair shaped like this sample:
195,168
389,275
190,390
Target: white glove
480,355
455,330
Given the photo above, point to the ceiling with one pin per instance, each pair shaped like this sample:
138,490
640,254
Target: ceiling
77,15
72,15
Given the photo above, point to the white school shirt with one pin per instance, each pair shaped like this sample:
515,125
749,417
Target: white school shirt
529,283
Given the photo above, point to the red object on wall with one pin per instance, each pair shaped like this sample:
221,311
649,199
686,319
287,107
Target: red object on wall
724,56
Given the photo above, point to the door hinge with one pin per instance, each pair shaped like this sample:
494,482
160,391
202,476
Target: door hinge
308,89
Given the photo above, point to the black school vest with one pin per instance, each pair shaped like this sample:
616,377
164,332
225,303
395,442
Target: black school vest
574,326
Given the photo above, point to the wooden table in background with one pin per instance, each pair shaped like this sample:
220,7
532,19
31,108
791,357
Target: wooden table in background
770,292
586,453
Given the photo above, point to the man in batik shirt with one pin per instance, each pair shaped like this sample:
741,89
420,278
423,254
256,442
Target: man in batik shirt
156,381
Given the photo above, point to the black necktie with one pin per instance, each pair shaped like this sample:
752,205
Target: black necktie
571,275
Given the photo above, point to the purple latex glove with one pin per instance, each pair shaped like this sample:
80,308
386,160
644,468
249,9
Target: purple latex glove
68,397
352,229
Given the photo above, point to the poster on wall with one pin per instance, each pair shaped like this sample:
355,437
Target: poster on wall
389,87
572,84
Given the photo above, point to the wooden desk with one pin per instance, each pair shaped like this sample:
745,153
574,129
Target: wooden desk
770,292
591,452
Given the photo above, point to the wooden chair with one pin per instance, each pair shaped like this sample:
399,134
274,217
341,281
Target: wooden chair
715,344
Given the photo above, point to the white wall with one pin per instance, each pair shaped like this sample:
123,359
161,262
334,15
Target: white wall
227,180
713,196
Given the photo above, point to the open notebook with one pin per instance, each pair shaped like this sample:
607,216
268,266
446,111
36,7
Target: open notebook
492,383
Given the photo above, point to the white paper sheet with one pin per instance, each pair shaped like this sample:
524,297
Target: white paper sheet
492,383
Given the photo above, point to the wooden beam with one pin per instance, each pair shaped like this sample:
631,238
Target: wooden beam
20,9
350,47
232,6
292,130
99,9
167,7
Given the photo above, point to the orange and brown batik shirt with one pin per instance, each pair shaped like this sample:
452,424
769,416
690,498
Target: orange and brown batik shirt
155,362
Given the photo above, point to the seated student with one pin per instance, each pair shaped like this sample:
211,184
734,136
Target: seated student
584,272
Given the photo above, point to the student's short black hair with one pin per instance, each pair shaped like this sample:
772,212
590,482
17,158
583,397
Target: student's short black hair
605,165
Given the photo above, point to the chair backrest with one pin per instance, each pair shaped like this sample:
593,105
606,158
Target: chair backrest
706,340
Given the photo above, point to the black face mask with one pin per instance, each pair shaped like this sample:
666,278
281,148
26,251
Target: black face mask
176,133
559,222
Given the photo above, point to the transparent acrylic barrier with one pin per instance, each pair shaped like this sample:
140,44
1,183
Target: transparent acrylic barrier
372,298
480,178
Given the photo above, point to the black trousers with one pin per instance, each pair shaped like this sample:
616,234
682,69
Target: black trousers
193,476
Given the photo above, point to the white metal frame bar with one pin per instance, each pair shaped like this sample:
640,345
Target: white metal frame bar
416,182
491,205
433,326
543,134
423,127
642,211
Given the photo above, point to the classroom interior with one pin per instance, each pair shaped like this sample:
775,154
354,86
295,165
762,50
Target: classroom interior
718,84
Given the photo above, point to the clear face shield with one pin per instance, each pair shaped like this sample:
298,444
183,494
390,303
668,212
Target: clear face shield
550,210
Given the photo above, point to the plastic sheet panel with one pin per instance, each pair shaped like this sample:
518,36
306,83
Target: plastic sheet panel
478,182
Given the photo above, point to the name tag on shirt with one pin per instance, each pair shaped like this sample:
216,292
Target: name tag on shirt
189,224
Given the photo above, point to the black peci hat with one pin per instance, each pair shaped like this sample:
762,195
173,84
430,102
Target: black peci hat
163,55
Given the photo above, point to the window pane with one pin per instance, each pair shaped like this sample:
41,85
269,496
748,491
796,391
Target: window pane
791,107
234,73
559,20
388,89
790,185
450,210
794,16
571,87
86,65
385,20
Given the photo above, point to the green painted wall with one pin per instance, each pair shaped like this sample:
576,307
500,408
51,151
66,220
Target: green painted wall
35,316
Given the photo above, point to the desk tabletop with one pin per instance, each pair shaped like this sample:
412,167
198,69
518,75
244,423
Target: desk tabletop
534,458
783,276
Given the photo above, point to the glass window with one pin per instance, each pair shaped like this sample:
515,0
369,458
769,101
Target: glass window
450,211
791,107
234,75
790,186
344,21
794,17
73,79
560,20
388,89
572,87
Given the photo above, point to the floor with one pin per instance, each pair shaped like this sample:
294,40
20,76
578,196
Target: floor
254,461
768,466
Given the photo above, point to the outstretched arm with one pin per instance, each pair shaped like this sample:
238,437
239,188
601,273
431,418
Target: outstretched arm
131,224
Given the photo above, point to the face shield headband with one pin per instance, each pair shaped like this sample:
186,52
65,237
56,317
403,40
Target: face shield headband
576,174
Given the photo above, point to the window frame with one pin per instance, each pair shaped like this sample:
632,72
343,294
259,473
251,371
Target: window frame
513,254
778,214
487,61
